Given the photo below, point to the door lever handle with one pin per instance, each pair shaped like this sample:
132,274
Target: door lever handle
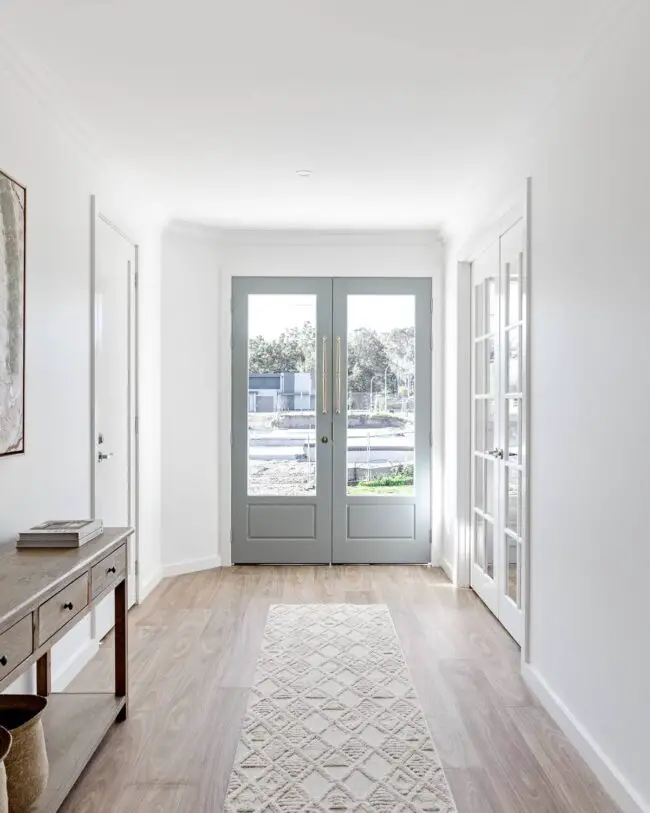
498,453
101,456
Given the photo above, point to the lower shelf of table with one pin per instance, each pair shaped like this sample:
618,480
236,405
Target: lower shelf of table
75,725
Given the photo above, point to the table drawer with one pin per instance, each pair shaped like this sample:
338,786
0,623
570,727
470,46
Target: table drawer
16,645
57,611
109,570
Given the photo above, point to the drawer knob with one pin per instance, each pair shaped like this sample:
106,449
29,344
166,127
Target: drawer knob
111,570
3,661
68,606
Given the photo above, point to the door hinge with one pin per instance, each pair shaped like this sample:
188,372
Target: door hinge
430,537
231,536
137,424
231,437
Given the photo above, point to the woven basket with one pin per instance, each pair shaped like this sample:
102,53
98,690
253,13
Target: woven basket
26,764
5,745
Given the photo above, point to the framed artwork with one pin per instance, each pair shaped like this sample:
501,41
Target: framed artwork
13,203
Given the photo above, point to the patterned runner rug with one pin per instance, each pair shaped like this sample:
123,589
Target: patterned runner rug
333,722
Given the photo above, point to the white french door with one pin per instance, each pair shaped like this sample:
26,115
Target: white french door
498,427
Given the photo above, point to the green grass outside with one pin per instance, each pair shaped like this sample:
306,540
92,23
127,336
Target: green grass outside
398,483
377,491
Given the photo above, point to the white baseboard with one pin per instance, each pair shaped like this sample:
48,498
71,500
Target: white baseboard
448,569
146,588
191,566
64,674
607,773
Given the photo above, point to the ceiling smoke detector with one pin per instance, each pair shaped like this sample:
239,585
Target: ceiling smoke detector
303,173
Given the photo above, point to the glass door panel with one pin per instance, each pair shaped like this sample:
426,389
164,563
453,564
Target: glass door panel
485,388
281,420
382,420
512,489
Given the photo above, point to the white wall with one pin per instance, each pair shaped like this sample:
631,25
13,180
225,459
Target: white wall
456,482
198,266
52,478
590,554
192,397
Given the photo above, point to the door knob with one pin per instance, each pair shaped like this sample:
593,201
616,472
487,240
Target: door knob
324,439
498,453
104,456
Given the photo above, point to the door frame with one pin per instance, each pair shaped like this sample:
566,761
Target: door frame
97,215
300,244
520,208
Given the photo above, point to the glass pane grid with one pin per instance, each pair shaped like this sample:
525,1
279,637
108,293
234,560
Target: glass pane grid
489,549
485,367
513,439
513,367
513,500
513,570
479,541
480,484
381,394
513,293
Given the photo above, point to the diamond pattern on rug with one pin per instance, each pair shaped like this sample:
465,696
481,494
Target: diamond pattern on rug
333,723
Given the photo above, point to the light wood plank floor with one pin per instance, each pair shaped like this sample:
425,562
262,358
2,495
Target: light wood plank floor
194,645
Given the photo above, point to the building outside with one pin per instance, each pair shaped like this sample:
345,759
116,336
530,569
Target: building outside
280,392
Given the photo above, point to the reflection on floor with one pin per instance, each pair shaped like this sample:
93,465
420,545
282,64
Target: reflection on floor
194,645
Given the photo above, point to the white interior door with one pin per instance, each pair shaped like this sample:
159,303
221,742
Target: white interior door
114,422
485,388
498,427
512,427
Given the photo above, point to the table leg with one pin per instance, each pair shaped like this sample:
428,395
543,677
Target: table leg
121,645
44,675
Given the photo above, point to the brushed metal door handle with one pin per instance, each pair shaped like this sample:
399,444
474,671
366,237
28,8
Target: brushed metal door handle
338,375
101,456
324,381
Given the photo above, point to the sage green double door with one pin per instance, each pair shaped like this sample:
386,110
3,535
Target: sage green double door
331,420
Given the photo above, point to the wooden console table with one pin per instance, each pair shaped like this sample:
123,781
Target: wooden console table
43,595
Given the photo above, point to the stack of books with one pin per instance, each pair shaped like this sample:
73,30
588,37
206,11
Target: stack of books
61,533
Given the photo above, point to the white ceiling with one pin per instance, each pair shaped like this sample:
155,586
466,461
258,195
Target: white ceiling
395,105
